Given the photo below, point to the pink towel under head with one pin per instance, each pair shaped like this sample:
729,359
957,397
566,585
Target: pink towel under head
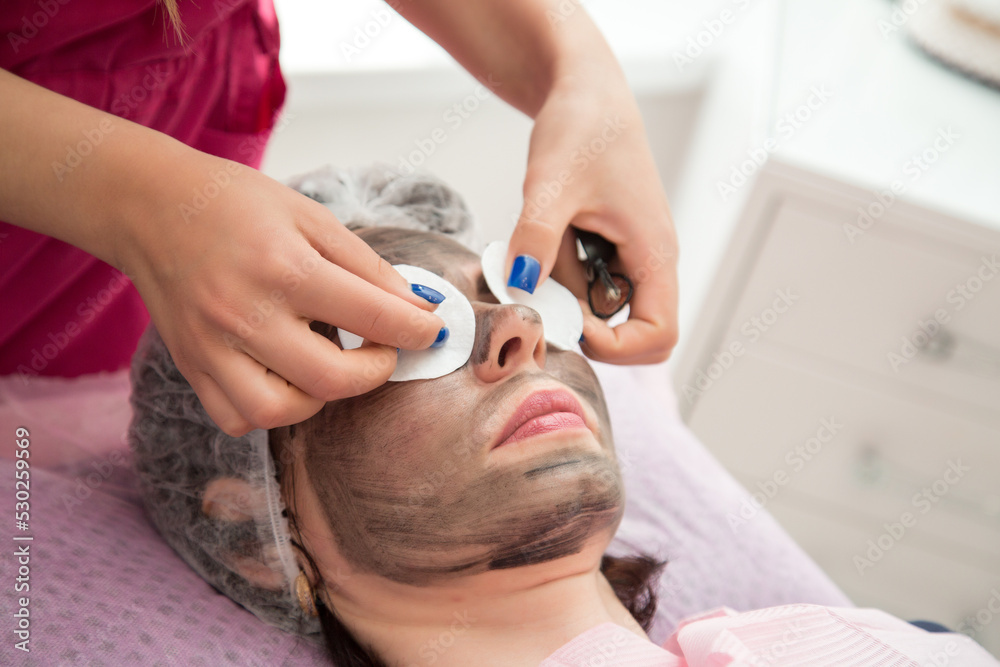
64,312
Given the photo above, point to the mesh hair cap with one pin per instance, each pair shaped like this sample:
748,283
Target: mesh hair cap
378,196
179,451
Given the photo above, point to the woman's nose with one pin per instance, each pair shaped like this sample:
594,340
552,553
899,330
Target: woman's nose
508,339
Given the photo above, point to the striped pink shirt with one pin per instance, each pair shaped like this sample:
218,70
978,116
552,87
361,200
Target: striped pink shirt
789,635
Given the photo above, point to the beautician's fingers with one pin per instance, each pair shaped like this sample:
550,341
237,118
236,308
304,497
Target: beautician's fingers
590,167
219,276
217,404
263,398
316,365
538,235
247,395
569,271
336,296
651,329
345,249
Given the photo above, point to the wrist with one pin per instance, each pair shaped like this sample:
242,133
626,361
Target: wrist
147,188
584,65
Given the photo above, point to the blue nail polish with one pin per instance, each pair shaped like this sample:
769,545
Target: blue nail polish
427,293
581,339
524,274
442,337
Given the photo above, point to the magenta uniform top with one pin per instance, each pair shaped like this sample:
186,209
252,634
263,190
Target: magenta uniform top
62,311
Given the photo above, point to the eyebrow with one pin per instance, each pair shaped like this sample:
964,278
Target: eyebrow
458,273
453,265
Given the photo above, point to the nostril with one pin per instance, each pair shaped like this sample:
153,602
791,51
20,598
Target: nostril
510,347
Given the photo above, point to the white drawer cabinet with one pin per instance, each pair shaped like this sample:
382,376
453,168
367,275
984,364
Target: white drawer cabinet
886,468
869,303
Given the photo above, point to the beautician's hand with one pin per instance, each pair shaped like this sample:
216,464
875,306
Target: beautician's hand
231,264
589,166
232,279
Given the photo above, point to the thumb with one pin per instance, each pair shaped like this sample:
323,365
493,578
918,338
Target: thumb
534,245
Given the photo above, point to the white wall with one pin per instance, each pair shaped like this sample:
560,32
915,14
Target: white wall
483,156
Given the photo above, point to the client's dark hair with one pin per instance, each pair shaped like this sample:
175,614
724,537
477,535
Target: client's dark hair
633,579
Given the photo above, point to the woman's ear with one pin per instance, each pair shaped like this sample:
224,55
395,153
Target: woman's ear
235,500
232,499
258,573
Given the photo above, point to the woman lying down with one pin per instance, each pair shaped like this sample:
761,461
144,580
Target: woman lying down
460,520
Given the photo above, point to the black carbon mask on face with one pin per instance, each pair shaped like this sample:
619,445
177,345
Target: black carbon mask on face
405,476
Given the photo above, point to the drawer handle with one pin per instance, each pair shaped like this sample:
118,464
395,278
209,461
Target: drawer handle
871,466
966,353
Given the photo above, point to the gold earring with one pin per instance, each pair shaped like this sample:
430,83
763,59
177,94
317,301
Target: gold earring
304,590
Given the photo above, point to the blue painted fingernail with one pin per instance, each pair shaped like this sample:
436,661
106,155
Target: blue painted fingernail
524,274
442,337
581,339
425,292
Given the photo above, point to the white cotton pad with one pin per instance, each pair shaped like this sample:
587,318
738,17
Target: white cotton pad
562,317
458,316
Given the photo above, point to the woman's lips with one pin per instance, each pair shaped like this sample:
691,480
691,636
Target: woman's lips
542,412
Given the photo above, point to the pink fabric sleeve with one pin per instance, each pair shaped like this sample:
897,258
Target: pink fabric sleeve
785,636
64,312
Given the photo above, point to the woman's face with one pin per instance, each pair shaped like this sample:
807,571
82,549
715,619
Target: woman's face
412,477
